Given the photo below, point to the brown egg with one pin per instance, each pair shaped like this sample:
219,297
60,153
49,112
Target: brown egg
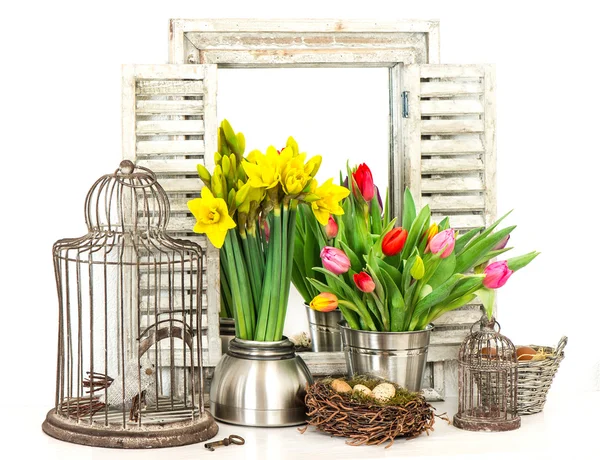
488,353
340,386
525,353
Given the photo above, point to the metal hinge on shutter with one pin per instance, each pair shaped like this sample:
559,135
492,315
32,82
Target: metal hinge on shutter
405,104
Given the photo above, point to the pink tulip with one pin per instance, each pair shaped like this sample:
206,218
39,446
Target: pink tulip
443,241
335,260
364,282
502,243
331,229
496,274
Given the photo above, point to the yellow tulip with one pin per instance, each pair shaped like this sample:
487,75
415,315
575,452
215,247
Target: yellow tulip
418,269
328,203
212,217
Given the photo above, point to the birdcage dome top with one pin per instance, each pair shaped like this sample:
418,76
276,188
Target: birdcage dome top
128,200
487,346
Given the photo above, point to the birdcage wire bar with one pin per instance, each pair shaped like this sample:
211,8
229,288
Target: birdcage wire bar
129,358
487,380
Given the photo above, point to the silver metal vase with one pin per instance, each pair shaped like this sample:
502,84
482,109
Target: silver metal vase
399,357
324,329
260,384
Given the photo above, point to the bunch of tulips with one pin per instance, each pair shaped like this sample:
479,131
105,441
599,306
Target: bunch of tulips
248,209
387,278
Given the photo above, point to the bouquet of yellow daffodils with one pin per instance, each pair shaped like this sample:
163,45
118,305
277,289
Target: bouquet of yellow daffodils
248,209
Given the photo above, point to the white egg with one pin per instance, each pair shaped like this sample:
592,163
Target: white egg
383,392
365,391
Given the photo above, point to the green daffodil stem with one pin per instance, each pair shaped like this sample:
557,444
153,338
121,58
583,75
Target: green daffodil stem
245,288
251,265
265,301
289,233
274,289
238,306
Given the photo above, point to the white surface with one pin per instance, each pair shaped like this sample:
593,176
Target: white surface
60,118
567,428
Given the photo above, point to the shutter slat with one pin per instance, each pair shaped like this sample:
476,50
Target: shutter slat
182,185
451,71
170,128
169,87
168,166
449,89
452,146
452,184
451,107
169,147
451,126
189,107
461,221
450,165
453,203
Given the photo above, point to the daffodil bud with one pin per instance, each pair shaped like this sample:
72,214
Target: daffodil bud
204,174
242,195
217,182
226,165
292,144
418,269
241,142
218,157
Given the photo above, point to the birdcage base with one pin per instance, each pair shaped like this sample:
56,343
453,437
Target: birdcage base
169,434
480,424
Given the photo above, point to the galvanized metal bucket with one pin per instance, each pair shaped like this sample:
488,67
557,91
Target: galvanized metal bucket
260,384
324,329
399,357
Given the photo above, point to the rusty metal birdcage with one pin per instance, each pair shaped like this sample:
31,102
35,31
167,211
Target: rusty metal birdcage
487,381
129,368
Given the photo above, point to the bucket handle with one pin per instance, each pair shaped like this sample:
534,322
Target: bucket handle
561,345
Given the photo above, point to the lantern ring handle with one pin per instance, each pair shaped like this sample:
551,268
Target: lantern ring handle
490,323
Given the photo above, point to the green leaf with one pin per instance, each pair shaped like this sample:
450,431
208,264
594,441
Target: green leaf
355,262
516,263
440,310
444,224
487,297
490,255
435,297
476,251
415,232
409,212
395,303
463,240
444,271
487,231
392,271
375,214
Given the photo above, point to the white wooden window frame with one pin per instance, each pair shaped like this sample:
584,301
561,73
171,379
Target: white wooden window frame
399,45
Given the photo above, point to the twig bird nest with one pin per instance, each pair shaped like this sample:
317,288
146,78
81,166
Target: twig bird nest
367,410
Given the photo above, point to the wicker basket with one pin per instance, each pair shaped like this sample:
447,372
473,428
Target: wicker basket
535,378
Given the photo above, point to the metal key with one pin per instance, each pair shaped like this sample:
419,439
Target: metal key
232,439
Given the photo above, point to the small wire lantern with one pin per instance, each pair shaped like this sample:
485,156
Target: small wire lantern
129,365
487,381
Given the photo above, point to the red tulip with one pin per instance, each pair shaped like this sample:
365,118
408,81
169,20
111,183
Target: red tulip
331,229
443,241
364,282
364,181
496,274
393,241
335,260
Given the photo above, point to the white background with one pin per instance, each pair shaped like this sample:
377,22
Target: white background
60,130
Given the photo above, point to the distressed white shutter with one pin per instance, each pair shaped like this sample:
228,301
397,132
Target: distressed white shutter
450,164
169,126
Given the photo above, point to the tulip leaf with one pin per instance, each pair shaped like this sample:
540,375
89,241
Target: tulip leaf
490,255
376,314
392,271
516,263
409,212
469,257
355,262
395,303
415,232
486,232
444,224
445,270
441,309
434,298
375,214
463,240
349,312
487,297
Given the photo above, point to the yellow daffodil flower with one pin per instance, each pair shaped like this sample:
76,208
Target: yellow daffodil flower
266,169
328,203
212,217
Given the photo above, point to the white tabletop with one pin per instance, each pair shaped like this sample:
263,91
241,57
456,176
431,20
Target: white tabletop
567,428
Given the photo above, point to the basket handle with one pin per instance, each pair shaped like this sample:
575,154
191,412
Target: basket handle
561,345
